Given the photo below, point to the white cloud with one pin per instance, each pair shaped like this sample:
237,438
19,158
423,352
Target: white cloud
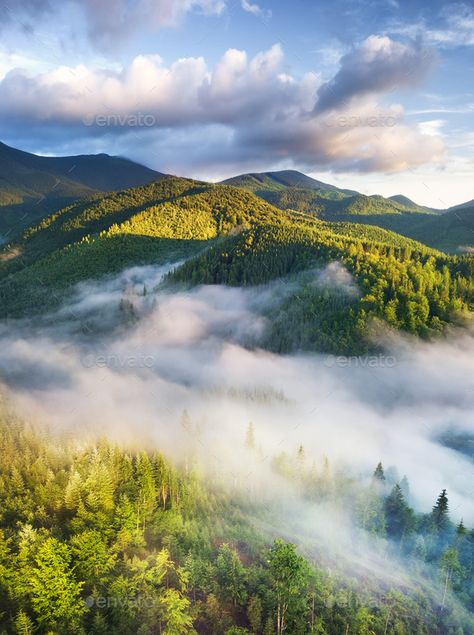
108,20
255,9
249,110
432,127
456,27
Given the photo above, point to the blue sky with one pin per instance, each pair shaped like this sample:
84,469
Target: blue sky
374,95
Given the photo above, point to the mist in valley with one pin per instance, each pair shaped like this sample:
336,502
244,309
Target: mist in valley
127,356
182,371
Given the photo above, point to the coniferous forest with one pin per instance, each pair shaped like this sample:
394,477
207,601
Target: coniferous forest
201,522
97,538
236,317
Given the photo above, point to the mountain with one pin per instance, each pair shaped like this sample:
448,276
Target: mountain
292,190
101,536
280,180
462,206
451,232
228,235
32,186
411,205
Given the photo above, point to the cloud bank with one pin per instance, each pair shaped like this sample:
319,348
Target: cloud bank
242,111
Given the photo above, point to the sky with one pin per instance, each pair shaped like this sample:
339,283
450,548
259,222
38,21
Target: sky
374,95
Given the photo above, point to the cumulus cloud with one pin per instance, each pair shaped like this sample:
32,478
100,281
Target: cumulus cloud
186,92
378,65
242,111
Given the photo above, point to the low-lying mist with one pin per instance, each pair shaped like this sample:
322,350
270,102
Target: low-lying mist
127,357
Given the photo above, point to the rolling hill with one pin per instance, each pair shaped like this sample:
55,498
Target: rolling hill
32,186
281,180
446,230
230,236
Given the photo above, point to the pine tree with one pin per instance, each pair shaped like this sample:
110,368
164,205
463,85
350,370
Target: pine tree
254,613
399,516
461,529
230,574
288,573
440,513
54,590
23,624
379,474
405,487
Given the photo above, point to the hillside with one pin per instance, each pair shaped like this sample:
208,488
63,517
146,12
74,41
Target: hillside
280,180
170,527
98,539
290,187
239,239
446,230
32,186
411,205
462,205
451,232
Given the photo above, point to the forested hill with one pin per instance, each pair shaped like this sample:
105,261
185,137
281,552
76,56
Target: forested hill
281,180
447,230
238,238
32,186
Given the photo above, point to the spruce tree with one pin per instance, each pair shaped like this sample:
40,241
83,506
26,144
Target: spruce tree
399,516
301,455
440,513
379,474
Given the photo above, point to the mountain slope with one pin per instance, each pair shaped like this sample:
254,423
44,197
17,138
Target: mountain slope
451,232
411,205
280,180
230,236
446,230
462,205
32,186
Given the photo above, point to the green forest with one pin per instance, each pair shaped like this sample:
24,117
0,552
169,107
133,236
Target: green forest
95,538
103,537
239,239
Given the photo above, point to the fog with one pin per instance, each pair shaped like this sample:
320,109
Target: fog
127,356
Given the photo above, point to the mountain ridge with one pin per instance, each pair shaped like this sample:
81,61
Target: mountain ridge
32,186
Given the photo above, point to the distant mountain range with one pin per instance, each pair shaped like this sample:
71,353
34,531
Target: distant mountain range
450,230
32,187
